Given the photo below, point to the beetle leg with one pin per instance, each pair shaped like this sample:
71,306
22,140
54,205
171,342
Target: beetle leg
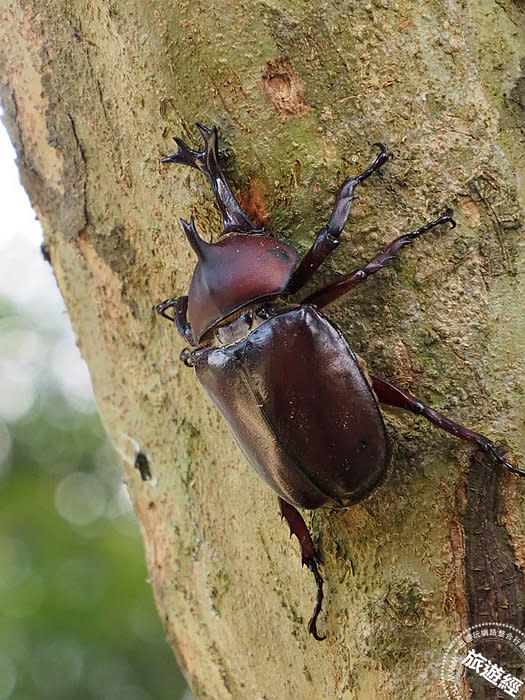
309,557
392,395
327,239
345,283
207,161
180,316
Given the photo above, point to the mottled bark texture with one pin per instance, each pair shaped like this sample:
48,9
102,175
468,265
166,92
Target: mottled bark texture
93,91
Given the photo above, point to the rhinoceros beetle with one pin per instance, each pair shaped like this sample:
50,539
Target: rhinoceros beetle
302,408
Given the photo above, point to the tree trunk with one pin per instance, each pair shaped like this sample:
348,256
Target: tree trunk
92,92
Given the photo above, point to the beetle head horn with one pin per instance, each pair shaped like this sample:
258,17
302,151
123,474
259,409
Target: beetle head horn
198,244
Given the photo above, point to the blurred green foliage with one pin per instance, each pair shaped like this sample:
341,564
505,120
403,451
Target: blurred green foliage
77,618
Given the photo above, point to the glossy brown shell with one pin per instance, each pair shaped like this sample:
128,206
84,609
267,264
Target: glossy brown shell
237,270
301,409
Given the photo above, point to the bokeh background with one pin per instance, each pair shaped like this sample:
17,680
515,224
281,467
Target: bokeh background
77,618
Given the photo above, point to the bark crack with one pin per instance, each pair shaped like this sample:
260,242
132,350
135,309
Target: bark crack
84,177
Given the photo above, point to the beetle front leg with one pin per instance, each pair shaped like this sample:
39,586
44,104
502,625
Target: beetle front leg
180,316
347,282
207,161
309,557
328,238
392,395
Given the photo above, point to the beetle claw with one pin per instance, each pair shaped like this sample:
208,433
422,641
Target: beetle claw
447,216
495,452
164,306
383,148
380,160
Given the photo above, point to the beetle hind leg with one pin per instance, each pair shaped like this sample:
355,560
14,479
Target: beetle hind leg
207,161
309,557
392,395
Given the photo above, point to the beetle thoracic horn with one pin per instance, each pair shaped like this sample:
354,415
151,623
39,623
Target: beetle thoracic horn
198,244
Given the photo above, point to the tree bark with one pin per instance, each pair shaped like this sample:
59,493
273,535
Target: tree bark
92,93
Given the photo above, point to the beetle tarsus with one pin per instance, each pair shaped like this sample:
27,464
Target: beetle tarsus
207,161
308,557
312,625
443,219
496,452
381,159
392,395
344,284
328,238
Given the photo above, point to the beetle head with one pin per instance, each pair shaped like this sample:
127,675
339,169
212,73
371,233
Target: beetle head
239,269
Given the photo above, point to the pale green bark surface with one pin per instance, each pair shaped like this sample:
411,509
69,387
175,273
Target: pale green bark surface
93,92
